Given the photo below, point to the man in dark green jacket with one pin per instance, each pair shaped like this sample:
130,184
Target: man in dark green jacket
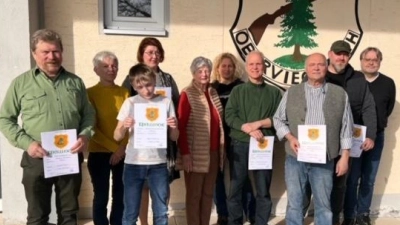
249,113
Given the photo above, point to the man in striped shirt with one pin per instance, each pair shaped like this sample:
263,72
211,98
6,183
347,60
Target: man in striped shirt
314,102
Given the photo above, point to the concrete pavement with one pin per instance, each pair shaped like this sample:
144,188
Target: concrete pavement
180,219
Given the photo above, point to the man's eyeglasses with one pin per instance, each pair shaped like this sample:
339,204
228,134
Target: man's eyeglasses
371,60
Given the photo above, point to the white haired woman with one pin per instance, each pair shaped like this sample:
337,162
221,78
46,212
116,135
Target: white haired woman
201,141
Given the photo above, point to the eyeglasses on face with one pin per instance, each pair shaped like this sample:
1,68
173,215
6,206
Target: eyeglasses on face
376,60
151,53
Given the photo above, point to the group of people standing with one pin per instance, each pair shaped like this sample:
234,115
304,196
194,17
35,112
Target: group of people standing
210,123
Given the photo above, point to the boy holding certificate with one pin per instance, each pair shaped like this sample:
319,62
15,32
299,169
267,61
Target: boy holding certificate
148,117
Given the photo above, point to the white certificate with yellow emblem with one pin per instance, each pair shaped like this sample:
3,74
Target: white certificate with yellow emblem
312,140
163,91
261,153
60,161
150,129
359,135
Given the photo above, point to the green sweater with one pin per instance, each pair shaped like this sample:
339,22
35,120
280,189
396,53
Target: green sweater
250,102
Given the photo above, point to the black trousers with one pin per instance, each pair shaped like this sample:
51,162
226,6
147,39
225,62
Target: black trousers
38,192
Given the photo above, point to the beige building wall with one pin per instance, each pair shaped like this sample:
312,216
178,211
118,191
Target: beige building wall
202,28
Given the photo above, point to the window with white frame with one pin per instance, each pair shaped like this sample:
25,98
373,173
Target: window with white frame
136,17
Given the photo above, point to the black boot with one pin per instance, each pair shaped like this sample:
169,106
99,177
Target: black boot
348,221
222,220
363,219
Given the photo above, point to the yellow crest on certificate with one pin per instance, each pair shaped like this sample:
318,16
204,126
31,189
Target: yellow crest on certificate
313,134
152,113
161,92
357,132
263,144
61,140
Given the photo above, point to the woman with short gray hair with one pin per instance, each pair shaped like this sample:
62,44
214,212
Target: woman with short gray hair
199,62
100,56
106,156
201,141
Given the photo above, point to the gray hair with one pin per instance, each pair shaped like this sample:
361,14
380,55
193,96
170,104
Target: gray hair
313,54
372,49
199,62
100,56
45,35
255,52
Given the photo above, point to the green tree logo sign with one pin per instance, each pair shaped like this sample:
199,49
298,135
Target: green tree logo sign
286,32
298,29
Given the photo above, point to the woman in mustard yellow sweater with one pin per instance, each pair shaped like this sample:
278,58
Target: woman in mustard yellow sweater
105,154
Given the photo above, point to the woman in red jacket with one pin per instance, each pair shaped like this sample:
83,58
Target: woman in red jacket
201,141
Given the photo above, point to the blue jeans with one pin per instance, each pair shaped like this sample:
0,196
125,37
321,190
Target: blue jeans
297,176
248,200
361,180
100,168
249,203
239,176
158,181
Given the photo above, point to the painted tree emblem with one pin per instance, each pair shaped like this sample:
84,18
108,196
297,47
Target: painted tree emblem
297,30
288,30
